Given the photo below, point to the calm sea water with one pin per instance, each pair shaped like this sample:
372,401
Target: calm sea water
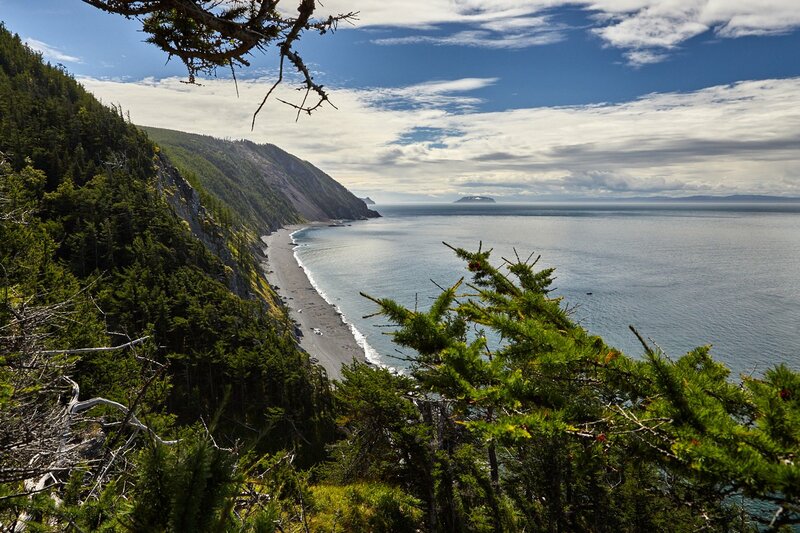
683,274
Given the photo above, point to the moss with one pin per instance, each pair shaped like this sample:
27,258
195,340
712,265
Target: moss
373,507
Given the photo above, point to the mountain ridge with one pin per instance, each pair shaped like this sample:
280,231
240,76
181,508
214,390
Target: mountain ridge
262,183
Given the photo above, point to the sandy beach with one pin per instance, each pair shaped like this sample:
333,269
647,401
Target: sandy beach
327,339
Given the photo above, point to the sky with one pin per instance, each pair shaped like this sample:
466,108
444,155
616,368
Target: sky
518,99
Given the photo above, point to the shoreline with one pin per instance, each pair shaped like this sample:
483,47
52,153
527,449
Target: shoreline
328,339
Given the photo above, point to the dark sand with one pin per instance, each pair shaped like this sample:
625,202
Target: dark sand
326,337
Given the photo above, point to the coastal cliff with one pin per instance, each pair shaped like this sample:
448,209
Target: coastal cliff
262,183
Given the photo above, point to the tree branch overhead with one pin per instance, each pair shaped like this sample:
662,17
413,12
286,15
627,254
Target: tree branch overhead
207,34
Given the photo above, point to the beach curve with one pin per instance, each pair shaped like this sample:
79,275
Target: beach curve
325,335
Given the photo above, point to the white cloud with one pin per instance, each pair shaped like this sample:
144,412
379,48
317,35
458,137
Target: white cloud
638,58
510,29
447,94
479,38
651,28
740,138
450,86
739,18
643,28
428,13
517,24
50,52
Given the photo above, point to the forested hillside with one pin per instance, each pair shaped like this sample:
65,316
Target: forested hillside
261,183
87,226
144,388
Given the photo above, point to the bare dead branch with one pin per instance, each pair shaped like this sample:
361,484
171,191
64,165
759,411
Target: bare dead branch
99,349
75,407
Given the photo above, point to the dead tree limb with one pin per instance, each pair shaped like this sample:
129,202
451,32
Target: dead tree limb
75,407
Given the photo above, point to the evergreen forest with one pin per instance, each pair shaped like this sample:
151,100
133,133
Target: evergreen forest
150,380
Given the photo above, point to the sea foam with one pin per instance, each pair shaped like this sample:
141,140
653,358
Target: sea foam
369,352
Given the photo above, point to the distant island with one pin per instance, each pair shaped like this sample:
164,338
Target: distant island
475,200
367,200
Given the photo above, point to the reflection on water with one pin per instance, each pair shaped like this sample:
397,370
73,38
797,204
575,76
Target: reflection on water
684,274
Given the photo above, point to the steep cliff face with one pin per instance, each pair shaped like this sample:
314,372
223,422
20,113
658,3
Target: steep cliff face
260,182
187,204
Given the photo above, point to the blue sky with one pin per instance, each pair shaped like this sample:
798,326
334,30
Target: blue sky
519,99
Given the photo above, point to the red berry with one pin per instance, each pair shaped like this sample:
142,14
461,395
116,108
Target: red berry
601,437
785,394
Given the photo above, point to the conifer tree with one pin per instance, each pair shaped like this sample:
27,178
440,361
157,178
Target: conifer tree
576,435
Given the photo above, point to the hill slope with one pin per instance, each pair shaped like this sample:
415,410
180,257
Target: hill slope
86,202
265,185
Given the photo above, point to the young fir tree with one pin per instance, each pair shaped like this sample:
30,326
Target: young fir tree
573,434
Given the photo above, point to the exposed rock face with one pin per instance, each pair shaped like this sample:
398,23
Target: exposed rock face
368,201
475,200
185,200
260,182
313,193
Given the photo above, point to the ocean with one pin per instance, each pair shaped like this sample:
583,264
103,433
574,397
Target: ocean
684,274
